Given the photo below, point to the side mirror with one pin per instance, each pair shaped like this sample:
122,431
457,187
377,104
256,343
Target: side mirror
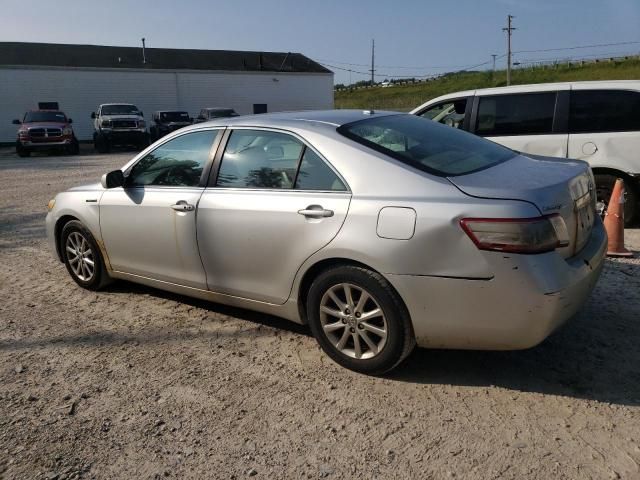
191,119
16,122
141,113
113,179
93,114
70,120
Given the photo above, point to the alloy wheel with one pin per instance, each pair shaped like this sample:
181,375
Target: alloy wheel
353,321
80,256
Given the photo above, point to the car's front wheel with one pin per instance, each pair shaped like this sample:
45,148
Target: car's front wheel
82,256
359,320
22,151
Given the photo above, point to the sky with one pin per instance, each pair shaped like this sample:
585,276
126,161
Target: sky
412,37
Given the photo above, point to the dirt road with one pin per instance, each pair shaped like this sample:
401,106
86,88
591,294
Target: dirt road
132,382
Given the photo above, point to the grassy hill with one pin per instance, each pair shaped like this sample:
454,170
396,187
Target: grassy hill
406,97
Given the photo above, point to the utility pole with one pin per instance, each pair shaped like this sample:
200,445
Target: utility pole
373,56
144,56
509,29
493,55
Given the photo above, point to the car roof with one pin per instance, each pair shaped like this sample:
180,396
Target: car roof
117,103
170,111
46,110
332,118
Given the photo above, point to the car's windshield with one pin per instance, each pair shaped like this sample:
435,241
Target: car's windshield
227,112
174,116
426,145
120,110
31,117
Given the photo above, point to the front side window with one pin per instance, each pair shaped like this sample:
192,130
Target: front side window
519,114
592,111
426,145
450,113
174,116
176,163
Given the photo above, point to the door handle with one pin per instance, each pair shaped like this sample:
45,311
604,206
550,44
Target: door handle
182,206
316,211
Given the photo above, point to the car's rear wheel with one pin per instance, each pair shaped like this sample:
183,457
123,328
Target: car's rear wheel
604,189
359,320
82,256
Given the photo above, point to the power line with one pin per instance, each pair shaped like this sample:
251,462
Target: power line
577,47
464,67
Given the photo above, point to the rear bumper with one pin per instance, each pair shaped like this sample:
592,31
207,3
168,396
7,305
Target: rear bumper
526,300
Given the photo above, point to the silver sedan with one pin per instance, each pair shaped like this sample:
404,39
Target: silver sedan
379,230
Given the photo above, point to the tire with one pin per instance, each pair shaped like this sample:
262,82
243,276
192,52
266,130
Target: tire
349,325
143,142
74,148
75,236
101,144
604,188
22,152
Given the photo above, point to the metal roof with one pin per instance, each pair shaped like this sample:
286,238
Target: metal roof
100,56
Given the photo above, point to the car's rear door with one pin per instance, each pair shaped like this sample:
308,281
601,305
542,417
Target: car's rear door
604,127
526,122
273,203
149,226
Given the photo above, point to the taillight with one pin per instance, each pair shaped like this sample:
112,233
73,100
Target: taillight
517,235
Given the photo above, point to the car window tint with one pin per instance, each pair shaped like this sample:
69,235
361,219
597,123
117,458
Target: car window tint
315,174
450,113
426,145
604,111
176,163
259,159
521,114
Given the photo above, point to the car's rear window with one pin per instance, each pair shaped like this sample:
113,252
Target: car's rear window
426,145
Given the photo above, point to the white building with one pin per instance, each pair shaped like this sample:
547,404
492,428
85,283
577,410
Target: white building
80,77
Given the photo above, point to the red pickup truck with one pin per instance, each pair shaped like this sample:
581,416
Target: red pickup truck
45,130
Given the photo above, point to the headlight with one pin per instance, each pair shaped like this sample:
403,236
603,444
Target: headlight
67,131
142,124
51,204
106,123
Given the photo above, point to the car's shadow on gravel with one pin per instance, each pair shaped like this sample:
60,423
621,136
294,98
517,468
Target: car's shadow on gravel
596,355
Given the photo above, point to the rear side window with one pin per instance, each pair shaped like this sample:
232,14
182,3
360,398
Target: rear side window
521,114
426,145
315,174
272,160
260,159
592,111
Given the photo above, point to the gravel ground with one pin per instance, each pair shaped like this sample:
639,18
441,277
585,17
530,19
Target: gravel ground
133,382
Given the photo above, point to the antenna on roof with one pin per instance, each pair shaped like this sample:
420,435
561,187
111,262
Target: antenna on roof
144,57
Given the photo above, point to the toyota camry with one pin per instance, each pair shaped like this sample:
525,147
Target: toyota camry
379,230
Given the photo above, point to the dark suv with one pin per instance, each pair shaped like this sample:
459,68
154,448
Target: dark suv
45,130
167,121
212,113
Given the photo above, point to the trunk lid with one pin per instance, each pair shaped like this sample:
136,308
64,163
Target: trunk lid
553,185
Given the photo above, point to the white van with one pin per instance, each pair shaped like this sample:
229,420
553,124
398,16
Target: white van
598,122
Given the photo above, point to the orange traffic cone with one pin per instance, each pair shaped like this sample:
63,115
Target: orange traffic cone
614,222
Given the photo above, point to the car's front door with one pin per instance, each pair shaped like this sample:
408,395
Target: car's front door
452,112
523,122
275,202
149,226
